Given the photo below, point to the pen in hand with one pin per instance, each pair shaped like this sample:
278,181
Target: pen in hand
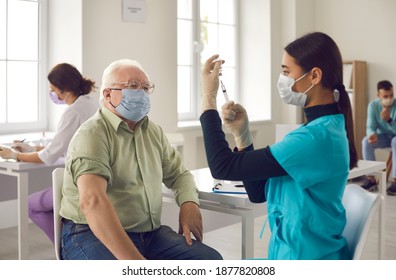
18,141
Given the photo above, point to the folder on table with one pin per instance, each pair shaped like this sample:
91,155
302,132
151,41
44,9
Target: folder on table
231,187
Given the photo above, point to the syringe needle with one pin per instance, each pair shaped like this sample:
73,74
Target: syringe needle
224,91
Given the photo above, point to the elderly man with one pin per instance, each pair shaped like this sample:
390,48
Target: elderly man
116,164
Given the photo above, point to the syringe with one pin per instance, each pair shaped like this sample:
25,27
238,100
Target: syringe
223,88
224,91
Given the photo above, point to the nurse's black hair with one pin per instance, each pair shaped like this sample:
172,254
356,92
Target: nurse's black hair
319,50
66,77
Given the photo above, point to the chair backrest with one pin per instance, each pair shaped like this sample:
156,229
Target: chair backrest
360,206
57,182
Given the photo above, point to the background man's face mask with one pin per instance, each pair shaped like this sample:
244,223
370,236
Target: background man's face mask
387,101
289,96
135,104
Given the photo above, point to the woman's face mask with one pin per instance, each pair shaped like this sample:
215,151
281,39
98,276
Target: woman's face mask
135,104
54,98
289,96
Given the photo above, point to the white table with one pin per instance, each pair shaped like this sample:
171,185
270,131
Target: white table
239,204
376,168
234,204
21,171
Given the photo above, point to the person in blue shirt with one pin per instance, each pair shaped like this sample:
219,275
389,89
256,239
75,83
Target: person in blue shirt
381,132
302,178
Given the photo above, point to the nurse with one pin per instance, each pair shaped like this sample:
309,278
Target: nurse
302,177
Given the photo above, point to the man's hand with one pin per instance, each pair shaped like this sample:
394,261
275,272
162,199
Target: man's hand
385,113
190,221
372,139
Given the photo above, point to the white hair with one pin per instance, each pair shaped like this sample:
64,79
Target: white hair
107,77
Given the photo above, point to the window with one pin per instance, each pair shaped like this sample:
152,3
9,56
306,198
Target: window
22,65
204,28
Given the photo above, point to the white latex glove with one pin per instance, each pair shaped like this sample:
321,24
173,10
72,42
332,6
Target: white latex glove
7,153
23,147
235,118
210,82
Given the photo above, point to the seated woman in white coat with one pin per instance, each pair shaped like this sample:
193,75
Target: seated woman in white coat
67,86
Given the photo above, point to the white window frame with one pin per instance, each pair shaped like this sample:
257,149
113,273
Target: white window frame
195,91
42,84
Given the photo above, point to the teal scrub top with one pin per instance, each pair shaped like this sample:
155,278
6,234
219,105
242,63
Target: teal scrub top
305,212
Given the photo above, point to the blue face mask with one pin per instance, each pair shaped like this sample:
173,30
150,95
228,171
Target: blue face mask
135,104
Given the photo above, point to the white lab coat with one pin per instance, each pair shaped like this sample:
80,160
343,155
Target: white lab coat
73,116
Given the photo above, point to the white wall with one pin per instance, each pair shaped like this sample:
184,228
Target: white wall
364,30
106,37
64,42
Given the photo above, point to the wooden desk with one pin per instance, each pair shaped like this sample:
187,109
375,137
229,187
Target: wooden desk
21,171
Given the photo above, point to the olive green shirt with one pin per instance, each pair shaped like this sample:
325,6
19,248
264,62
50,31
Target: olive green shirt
134,163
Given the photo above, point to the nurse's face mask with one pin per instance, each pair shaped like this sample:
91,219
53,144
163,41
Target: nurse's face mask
286,93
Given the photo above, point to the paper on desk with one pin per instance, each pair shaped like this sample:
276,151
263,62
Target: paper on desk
4,146
232,187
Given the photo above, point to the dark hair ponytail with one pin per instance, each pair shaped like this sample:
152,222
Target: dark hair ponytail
319,50
344,105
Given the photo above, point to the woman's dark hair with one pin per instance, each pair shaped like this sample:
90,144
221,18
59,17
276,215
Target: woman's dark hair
66,77
319,50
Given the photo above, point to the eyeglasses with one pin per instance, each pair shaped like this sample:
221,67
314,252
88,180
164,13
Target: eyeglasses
148,87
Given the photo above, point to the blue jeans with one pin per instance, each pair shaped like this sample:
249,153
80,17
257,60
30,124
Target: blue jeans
79,243
384,141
